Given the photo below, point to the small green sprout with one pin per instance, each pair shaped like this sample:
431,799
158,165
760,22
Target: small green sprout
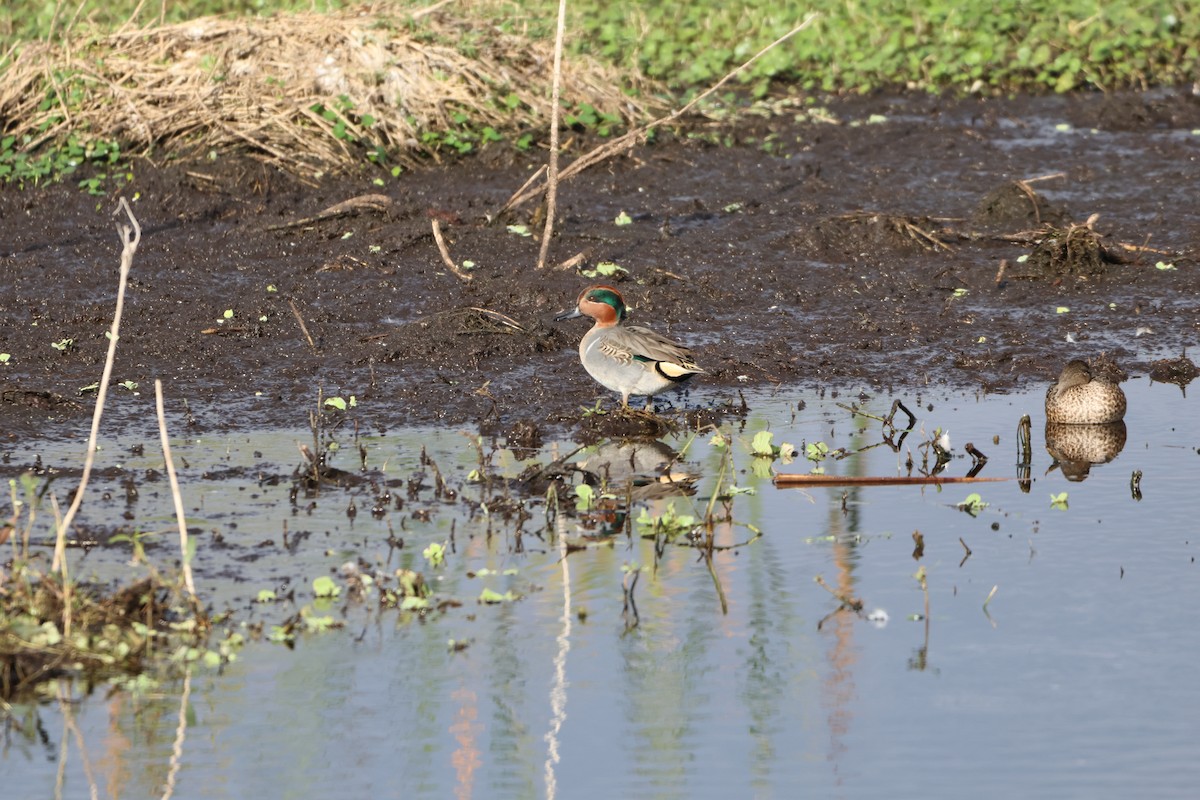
492,596
605,269
761,444
585,496
265,596
63,345
816,452
519,230
973,504
623,219
319,624
1059,501
435,554
325,587
669,523
594,411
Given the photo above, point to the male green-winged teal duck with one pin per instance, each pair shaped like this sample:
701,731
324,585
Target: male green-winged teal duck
1077,398
629,359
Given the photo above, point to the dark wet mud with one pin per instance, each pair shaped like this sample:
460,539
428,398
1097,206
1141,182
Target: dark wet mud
879,244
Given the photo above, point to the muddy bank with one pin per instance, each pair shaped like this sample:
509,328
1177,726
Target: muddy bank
858,248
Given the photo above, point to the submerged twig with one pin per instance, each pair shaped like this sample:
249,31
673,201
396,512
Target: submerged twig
847,600
184,556
710,537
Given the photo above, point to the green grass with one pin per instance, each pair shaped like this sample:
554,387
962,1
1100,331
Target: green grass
1005,45
34,19
999,46
856,45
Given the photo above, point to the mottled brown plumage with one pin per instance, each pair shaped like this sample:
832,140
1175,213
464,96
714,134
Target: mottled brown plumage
1077,398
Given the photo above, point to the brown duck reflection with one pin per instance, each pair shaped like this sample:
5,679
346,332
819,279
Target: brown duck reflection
1075,448
642,469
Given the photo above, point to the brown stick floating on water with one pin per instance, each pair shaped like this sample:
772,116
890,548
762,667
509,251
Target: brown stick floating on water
786,480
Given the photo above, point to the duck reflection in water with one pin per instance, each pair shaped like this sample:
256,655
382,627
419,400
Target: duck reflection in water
637,470
1075,448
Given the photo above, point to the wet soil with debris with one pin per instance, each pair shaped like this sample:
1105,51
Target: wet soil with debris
875,245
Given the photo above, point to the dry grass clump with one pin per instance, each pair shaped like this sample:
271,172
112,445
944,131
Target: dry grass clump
306,91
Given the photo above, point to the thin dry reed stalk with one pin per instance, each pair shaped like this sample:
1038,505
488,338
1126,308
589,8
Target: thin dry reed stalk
633,137
552,168
130,237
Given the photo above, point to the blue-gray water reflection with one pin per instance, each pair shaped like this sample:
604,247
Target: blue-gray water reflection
1075,680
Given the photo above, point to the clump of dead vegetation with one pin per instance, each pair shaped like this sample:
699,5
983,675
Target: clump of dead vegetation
305,91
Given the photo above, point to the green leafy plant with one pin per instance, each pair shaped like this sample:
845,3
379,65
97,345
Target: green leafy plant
491,596
435,554
973,504
593,411
605,269
585,496
325,586
669,523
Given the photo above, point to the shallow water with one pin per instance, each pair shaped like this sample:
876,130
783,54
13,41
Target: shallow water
1075,679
